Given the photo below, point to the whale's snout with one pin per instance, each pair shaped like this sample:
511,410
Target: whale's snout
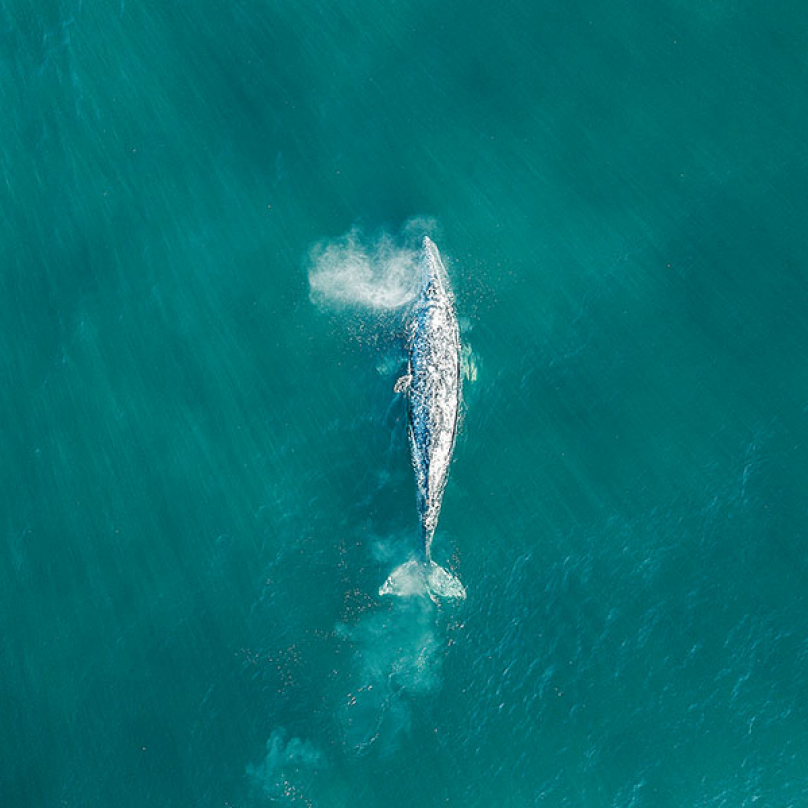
435,279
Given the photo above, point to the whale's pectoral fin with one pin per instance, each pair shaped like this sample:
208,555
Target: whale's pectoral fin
403,384
469,367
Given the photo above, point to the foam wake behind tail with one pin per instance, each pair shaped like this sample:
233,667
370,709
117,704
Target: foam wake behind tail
416,578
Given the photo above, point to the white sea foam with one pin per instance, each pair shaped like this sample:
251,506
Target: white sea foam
376,272
396,657
288,768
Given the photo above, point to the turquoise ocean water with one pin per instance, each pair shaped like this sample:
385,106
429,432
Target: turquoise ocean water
208,214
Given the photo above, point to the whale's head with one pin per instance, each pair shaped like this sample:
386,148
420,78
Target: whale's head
436,279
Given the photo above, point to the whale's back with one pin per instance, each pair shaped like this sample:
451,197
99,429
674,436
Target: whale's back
434,388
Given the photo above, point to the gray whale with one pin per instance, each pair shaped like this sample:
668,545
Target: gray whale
432,387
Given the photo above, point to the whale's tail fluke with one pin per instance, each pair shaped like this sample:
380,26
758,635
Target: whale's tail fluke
417,578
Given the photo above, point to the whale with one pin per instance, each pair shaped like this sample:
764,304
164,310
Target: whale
432,386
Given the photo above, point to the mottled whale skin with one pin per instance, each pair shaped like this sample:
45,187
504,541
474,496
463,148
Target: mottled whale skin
433,390
432,387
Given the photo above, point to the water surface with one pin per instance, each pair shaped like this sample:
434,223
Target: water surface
205,238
